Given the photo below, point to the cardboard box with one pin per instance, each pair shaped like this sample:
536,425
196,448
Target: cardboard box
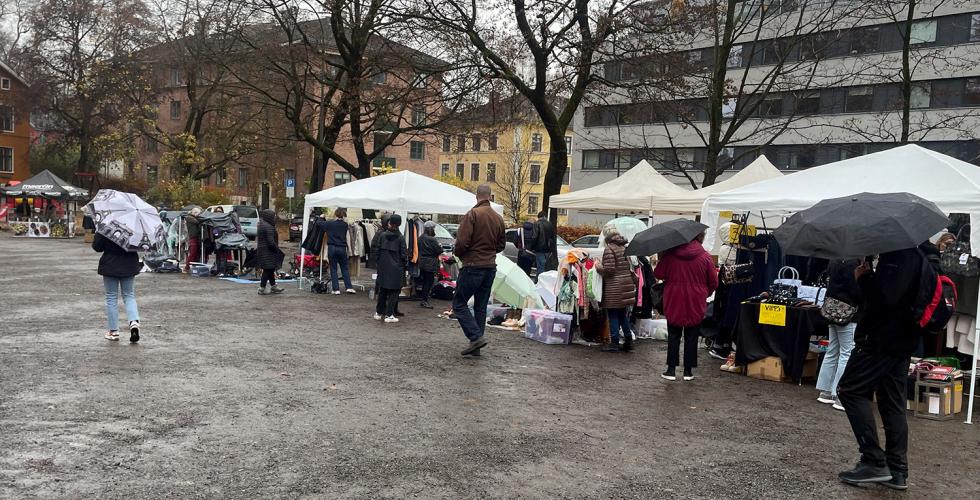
939,402
771,368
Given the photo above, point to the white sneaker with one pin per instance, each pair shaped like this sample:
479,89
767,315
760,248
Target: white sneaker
837,405
378,317
336,292
391,319
351,291
112,336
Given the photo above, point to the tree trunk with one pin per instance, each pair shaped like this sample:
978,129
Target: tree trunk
557,166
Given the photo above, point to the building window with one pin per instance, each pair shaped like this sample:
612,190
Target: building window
971,93
923,32
492,142
5,83
175,76
921,95
444,171
808,103
418,116
735,57
535,177
460,168
974,29
566,179
568,144
801,157
532,204
536,143
447,144
151,145
7,160
152,174
562,212
475,172
379,140
341,178
864,41
771,106
6,118
242,177
728,107
491,172
175,110
476,142
417,151
290,175
221,176
460,143
380,78
859,99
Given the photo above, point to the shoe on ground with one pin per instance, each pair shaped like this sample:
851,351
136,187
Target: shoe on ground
715,353
351,291
627,345
897,482
134,331
112,336
476,353
688,374
838,405
263,291
399,314
669,374
426,305
611,347
475,345
864,474
391,319
825,397
335,292
378,317
278,289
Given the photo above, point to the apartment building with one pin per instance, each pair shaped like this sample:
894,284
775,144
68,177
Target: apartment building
15,127
848,103
503,144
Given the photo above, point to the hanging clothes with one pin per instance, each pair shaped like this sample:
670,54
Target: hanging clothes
313,243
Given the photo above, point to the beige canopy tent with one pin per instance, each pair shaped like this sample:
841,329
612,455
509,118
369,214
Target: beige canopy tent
638,190
691,201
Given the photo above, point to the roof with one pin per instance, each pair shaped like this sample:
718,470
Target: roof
503,110
14,74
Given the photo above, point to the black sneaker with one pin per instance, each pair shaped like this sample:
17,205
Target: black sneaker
717,354
611,347
627,345
865,473
897,482
475,345
426,305
688,374
670,374
134,331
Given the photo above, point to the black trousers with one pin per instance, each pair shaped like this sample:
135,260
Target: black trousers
387,301
691,335
428,279
870,375
268,275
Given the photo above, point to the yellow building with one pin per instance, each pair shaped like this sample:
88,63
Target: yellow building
503,145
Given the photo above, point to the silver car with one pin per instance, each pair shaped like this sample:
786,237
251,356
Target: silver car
248,217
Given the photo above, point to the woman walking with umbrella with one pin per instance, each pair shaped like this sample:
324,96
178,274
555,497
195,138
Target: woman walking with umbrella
268,256
618,289
118,269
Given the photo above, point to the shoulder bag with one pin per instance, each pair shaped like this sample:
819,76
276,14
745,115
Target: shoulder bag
837,312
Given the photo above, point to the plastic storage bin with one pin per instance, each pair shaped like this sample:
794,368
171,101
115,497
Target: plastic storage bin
547,327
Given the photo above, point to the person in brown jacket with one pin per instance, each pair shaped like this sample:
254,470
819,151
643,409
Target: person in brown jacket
618,289
481,236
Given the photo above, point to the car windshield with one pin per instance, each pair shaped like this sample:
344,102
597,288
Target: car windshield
247,212
442,232
561,242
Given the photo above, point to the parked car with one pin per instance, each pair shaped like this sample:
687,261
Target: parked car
296,228
248,217
452,228
590,241
510,251
446,238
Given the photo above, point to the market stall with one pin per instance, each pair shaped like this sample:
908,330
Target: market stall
952,184
43,206
638,190
764,330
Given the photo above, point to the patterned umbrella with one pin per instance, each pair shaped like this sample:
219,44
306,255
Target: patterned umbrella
127,220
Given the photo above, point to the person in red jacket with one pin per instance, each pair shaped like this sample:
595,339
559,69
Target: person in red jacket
690,277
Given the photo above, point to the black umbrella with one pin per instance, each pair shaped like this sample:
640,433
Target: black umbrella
860,225
664,236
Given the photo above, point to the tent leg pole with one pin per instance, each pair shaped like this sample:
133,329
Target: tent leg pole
973,372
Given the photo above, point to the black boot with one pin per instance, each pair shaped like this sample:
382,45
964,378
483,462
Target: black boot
897,482
627,344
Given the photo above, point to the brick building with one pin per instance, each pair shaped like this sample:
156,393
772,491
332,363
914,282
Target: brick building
15,127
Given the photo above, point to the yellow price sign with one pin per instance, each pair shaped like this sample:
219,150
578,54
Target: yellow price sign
772,314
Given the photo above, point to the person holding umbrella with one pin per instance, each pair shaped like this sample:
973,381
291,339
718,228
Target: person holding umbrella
841,287
689,276
118,269
618,289
268,256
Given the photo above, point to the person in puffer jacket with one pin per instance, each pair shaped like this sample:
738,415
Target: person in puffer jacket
690,277
618,289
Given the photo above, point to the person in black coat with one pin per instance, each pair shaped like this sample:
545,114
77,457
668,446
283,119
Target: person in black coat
546,247
429,251
118,269
391,259
268,256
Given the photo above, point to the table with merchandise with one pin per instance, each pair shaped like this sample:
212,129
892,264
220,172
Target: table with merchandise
765,329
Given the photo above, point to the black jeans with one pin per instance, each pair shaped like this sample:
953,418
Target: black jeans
428,279
866,376
475,283
691,335
339,262
268,275
387,301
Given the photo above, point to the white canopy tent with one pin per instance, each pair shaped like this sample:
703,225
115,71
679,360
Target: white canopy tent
690,203
400,192
638,190
952,184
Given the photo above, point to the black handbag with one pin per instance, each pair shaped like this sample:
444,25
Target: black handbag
957,259
734,274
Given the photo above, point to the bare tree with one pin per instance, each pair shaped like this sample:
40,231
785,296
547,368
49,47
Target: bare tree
513,179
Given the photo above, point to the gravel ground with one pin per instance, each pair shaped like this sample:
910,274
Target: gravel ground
234,395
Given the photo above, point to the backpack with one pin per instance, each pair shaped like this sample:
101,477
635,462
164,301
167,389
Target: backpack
935,301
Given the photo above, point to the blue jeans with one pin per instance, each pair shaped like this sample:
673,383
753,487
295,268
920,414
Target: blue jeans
617,320
839,351
112,287
475,283
541,261
338,258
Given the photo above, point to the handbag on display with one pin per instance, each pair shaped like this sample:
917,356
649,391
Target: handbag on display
785,290
735,274
837,312
956,258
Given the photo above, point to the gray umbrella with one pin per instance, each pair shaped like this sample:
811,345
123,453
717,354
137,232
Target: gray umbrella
861,225
664,236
